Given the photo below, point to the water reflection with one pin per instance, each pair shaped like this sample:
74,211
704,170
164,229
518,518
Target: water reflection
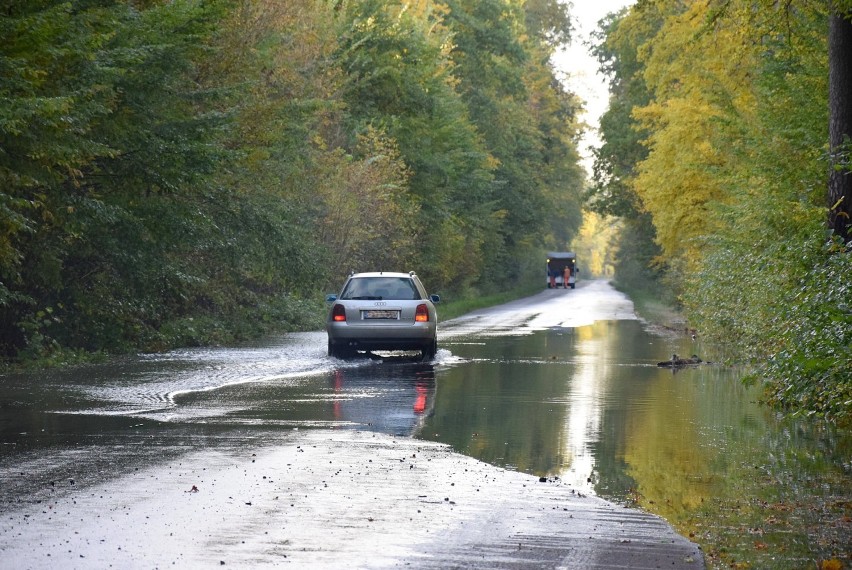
389,398
501,405
40,410
590,406
586,404
538,403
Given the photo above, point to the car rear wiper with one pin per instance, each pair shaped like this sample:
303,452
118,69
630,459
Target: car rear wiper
366,298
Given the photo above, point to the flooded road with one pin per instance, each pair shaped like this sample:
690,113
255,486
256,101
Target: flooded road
562,387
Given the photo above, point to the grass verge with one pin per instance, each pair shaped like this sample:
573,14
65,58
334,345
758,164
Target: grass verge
653,309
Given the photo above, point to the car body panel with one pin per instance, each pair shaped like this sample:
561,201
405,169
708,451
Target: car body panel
380,310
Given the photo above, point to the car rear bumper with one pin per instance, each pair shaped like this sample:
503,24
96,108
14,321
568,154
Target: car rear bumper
383,344
410,337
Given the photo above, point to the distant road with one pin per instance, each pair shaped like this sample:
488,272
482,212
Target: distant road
337,498
591,301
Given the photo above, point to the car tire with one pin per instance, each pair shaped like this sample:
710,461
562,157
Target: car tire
429,351
337,352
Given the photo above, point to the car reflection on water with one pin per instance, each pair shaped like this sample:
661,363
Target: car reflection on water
392,396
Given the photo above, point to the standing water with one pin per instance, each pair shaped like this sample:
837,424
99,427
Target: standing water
564,384
591,406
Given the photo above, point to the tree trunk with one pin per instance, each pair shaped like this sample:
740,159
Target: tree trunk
840,124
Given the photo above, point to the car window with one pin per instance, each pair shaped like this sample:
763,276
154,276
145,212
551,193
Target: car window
380,288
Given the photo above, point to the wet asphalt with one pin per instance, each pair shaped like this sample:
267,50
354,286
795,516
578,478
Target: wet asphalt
334,499
325,497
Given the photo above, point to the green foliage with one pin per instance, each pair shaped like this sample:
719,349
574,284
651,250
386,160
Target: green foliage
183,172
809,373
399,81
368,219
734,119
549,21
635,265
620,38
486,131
112,225
529,126
775,235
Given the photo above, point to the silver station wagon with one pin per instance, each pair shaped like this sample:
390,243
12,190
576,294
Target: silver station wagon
382,311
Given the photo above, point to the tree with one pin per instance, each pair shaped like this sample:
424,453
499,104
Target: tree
99,114
620,38
528,124
399,83
840,130
735,127
369,218
549,21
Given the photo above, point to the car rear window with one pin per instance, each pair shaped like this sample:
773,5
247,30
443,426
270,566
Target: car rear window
380,288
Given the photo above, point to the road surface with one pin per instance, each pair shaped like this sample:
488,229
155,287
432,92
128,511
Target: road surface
336,498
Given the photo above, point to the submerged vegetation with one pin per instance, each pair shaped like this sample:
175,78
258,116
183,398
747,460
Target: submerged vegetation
182,172
716,157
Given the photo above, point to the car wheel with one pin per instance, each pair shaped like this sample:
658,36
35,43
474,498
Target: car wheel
429,351
336,351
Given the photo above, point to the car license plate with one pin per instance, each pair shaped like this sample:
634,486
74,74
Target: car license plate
380,314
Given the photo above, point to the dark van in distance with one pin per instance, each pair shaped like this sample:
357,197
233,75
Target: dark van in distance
561,269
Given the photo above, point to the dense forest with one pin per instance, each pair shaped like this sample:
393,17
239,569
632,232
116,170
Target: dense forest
183,172
726,156
186,172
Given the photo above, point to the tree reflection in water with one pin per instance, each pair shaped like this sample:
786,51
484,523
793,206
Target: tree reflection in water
589,405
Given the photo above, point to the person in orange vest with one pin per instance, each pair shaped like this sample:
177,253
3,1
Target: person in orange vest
552,274
566,276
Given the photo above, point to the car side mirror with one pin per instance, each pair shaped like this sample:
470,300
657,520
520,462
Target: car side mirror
435,298
330,298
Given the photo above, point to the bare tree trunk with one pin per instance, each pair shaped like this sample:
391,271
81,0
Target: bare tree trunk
840,124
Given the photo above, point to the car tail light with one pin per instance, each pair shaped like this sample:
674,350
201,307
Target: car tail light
338,313
422,313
